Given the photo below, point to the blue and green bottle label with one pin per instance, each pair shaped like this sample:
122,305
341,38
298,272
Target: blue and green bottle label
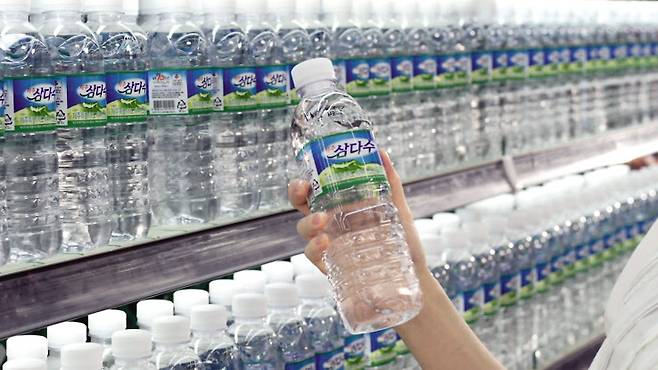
83,100
332,360
31,104
357,72
473,302
355,352
341,73
582,255
380,76
340,161
402,73
552,61
536,60
500,63
127,96
481,65
557,271
578,58
382,347
510,284
528,278
401,347
308,364
272,84
424,72
240,89
491,297
542,273
3,102
517,64
205,90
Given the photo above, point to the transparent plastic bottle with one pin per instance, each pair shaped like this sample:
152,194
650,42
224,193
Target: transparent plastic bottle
24,364
343,165
236,129
34,228
4,236
27,346
82,133
123,47
82,356
209,340
61,335
102,325
172,351
256,341
181,86
132,350
292,333
322,319
221,293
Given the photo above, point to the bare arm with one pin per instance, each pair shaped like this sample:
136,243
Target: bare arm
438,337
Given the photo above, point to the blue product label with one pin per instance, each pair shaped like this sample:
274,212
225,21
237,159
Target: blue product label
578,56
552,60
341,72
565,55
342,160
402,72
596,246
528,280
382,347
620,236
643,227
85,100
592,53
582,252
608,241
518,62
473,302
272,84
357,72
543,271
510,285
604,53
355,350
568,258
481,65
3,102
491,295
127,96
631,231
536,60
240,89
619,52
380,76
499,65
203,89
308,364
424,72
556,264
245,366
168,92
333,360
30,104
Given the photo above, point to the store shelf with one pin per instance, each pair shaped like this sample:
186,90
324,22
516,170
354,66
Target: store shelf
67,287
579,358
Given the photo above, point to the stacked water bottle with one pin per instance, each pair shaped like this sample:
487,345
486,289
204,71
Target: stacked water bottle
279,317
531,272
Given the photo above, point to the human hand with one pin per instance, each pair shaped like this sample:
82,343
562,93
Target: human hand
313,226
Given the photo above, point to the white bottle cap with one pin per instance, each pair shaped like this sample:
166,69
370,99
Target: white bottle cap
65,333
432,243
251,280
111,6
210,317
149,7
15,5
251,7
313,70
82,356
281,295
171,329
303,265
219,7
185,299
104,323
222,291
131,7
249,305
37,6
25,364
61,5
132,343
278,272
427,226
447,220
27,346
150,309
312,286
335,6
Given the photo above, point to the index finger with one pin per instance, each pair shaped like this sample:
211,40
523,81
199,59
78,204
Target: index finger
298,194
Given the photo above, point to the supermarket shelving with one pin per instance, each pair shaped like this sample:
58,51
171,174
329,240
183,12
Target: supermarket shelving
67,287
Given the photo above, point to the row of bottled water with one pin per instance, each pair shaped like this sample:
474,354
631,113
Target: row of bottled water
279,317
531,272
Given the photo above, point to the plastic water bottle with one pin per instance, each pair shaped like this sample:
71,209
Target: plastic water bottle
322,320
292,333
221,293
24,364
131,13
181,87
172,351
132,350
342,163
209,340
36,12
186,299
256,341
102,325
27,346
30,143
123,46
4,236
82,356
61,335
81,121
235,130
151,309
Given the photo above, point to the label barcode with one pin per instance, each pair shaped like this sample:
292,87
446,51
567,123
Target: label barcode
164,104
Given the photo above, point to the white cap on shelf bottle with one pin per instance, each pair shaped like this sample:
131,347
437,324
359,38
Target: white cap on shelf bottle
210,317
281,295
313,70
303,265
64,333
25,364
105,323
27,346
171,330
131,345
150,309
313,286
278,272
251,280
186,299
82,356
249,305
222,292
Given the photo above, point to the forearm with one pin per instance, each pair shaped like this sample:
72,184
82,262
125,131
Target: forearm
439,338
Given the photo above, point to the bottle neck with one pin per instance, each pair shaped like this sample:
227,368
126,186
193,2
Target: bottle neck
283,311
223,19
338,18
250,19
315,89
14,16
105,342
140,362
250,320
206,333
174,16
104,17
62,15
170,346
